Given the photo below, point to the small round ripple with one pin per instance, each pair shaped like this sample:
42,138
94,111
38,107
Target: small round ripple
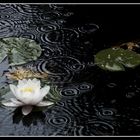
69,92
59,121
85,87
46,28
107,113
88,28
112,85
77,67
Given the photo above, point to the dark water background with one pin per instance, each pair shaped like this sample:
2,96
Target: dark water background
94,101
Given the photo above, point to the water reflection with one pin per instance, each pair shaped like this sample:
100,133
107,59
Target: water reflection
32,118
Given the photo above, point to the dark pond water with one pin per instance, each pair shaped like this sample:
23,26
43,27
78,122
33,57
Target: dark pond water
94,101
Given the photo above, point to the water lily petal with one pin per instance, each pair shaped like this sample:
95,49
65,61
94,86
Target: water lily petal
33,99
39,95
10,104
15,101
26,110
27,98
14,90
45,91
29,82
34,84
36,81
22,83
45,103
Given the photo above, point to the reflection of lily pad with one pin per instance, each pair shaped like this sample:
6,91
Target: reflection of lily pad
19,50
116,59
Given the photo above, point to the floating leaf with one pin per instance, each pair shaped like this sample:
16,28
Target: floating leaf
19,50
116,59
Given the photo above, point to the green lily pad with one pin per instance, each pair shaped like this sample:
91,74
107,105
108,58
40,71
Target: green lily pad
19,50
116,59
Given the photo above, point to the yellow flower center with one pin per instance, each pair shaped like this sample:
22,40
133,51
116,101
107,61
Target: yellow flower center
27,89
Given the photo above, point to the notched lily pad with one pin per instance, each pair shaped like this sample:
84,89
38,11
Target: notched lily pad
19,50
116,59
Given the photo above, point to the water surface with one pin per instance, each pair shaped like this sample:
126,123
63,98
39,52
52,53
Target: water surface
93,101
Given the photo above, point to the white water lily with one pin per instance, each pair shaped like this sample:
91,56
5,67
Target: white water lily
28,93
